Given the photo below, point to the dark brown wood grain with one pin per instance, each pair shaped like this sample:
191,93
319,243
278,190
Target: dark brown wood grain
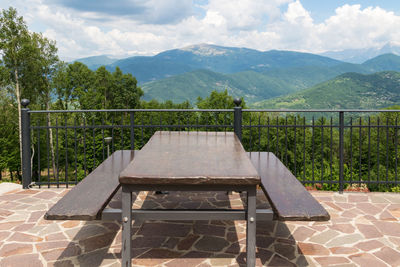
287,196
87,199
180,158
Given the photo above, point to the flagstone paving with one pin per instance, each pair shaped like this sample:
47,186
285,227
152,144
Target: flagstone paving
364,230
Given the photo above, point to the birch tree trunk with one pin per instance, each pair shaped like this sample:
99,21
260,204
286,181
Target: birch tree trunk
18,96
53,163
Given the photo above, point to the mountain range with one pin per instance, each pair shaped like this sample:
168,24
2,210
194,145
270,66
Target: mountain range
193,71
215,58
262,84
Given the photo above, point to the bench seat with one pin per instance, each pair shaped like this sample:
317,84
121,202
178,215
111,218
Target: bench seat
288,197
87,200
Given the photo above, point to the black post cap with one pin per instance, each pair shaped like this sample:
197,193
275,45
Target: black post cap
25,102
237,101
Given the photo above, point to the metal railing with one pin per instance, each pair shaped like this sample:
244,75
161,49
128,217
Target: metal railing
331,149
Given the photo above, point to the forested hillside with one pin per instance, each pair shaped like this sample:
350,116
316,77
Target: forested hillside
347,91
251,85
383,62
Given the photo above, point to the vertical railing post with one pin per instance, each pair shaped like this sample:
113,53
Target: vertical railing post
237,115
132,123
341,150
26,144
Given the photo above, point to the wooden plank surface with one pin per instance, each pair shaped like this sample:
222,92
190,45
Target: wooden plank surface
87,199
179,158
287,196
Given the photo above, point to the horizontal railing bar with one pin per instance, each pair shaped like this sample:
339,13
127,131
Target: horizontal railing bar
216,110
134,126
318,182
304,182
319,126
348,182
211,126
371,182
130,110
320,110
54,183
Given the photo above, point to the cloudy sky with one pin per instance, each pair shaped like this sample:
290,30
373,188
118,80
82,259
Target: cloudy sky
139,27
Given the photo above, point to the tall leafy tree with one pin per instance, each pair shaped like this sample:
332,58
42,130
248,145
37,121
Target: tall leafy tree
28,62
15,45
126,93
45,66
104,84
78,86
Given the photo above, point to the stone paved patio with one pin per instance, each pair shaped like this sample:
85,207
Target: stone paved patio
364,231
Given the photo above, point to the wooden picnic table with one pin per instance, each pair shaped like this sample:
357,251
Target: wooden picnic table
191,161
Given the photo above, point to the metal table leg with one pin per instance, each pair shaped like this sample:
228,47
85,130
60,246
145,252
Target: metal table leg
126,226
251,227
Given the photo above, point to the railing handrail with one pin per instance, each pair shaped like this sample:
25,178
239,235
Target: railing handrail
215,110
130,110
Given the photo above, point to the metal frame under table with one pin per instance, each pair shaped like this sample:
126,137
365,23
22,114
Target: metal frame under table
190,161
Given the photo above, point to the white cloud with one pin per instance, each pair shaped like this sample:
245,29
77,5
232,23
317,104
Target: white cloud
258,24
353,27
245,14
297,15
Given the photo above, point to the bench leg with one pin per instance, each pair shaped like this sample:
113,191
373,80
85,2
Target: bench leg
126,227
251,227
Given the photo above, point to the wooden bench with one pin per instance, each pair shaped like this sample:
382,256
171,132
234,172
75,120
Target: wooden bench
87,200
289,199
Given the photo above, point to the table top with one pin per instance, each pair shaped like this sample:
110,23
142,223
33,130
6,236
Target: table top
174,158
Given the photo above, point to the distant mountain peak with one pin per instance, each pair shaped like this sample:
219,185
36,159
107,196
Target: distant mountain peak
93,62
207,50
392,44
364,54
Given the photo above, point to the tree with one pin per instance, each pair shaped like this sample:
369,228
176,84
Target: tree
45,66
217,100
14,48
28,65
9,156
79,86
103,84
126,94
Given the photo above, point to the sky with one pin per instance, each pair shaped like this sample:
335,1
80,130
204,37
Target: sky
122,28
